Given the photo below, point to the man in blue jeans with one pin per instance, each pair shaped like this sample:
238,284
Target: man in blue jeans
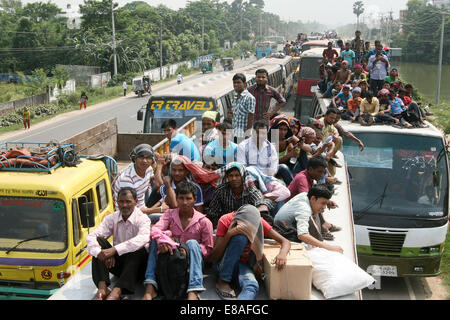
191,227
233,249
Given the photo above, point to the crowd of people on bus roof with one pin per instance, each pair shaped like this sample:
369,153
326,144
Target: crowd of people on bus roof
256,174
365,88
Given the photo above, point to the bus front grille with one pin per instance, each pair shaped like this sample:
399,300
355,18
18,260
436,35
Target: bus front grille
389,242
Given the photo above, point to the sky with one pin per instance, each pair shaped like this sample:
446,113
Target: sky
328,12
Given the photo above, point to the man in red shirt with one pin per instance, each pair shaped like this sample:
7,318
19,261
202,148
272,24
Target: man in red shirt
330,53
233,249
263,94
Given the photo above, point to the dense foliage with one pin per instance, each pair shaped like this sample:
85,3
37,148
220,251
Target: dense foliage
37,35
421,33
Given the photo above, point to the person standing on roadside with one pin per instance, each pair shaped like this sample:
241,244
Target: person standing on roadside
263,94
83,100
124,86
26,117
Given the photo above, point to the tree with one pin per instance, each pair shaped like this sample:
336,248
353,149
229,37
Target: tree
358,9
10,6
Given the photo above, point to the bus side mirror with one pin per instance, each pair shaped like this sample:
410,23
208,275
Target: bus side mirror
140,115
87,214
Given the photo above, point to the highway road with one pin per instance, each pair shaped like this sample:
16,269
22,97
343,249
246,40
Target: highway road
124,109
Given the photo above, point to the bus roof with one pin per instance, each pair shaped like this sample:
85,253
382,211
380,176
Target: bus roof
316,43
62,179
215,85
431,131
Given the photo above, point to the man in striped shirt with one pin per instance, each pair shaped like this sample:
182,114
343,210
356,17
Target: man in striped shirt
243,107
137,175
263,94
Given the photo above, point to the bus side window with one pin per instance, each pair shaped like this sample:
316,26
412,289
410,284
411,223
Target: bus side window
220,109
76,225
102,195
224,102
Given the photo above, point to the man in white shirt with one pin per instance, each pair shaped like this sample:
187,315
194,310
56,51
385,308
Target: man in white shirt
127,258
302,213
258,151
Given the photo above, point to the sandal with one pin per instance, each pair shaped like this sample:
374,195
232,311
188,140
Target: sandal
327,236
101,296
225,294
334,228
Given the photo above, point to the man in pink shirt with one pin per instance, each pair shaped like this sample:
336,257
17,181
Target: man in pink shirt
303,181
191,227
130,229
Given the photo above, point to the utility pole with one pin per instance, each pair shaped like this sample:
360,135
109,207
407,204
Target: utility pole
441,49
241,24
114,37
203,36
160,51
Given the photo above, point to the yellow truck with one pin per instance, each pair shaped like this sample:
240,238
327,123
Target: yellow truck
46,212
49,202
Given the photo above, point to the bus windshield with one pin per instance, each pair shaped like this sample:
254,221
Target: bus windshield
26,218
309,68
398,175
181,109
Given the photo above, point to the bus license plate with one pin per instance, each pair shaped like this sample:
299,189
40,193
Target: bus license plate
383,271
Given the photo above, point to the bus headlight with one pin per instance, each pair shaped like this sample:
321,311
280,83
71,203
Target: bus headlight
435,249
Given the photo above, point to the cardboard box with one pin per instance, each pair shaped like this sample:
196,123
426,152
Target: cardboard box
295,280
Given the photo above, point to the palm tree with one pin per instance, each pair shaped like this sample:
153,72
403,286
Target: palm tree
358,9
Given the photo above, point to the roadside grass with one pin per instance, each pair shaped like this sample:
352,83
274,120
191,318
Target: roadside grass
95,96
10,92
445,266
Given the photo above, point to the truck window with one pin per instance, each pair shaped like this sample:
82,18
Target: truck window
102,195
76,223
24,218
88,195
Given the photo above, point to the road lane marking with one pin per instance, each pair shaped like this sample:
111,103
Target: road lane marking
412,295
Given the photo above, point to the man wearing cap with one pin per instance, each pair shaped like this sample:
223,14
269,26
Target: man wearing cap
137,175
209,131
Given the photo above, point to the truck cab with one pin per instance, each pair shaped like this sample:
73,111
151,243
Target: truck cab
46,214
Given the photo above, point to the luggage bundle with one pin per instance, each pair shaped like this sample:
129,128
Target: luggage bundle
36,155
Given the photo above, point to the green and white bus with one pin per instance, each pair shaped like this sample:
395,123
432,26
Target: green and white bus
400,194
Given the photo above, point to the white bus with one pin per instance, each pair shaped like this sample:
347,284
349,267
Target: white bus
400,192
213,92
